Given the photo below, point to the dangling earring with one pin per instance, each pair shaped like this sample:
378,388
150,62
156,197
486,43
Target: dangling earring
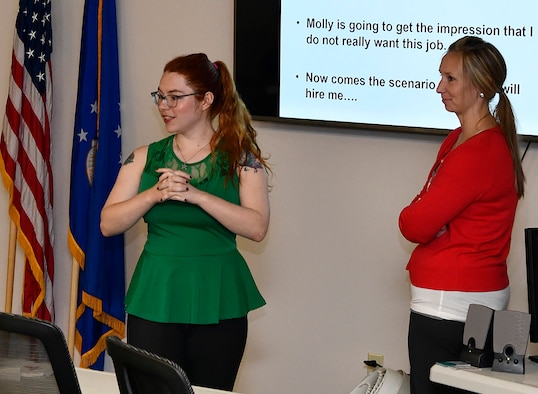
481,95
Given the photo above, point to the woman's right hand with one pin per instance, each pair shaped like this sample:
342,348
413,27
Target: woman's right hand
173,185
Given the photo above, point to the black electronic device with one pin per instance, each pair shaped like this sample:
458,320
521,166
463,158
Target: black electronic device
531,252
531,255
477,347
362,65
510,338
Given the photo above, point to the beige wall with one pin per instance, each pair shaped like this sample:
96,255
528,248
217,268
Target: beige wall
333,265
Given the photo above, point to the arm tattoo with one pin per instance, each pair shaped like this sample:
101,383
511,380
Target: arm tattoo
250,162
130,159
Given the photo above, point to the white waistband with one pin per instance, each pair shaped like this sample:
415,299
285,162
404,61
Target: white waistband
453,305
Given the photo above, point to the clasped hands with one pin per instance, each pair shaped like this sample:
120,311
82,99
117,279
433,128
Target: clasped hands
173,184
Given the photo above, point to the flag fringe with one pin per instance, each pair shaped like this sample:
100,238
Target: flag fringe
117,326
96,305
76,250
24,243
90,357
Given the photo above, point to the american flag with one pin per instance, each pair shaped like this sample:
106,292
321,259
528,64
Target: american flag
25,153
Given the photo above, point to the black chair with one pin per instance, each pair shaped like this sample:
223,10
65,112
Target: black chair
34,357
142,372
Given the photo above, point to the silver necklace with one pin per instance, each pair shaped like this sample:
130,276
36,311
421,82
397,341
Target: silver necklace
186,161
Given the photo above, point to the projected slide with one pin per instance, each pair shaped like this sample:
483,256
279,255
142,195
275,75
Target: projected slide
377,62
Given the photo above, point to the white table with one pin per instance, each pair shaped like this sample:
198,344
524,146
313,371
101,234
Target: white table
484,380
100,382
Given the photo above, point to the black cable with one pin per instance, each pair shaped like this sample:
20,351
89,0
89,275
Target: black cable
526,149
372,363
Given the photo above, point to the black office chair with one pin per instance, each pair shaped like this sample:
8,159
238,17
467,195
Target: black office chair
142,372
34,357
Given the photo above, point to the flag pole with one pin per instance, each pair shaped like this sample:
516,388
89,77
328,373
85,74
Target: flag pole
73,306
11,266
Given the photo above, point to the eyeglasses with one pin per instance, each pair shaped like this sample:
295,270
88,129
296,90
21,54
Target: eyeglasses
170,99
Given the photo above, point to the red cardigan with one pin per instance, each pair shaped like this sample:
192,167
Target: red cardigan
463,217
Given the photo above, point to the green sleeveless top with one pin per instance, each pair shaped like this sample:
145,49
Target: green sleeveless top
190,270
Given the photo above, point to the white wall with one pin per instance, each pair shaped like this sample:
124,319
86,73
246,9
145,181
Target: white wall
332,267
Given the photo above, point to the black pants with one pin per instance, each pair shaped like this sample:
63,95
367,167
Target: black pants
431,340
209,354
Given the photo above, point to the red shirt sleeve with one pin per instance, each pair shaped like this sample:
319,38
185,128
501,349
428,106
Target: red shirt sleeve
455,181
